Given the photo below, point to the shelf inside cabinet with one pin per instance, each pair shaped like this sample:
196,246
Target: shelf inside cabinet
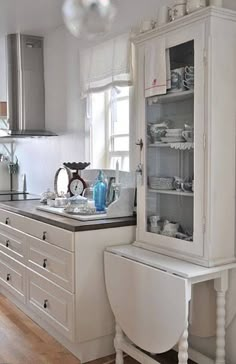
179,146
172,192
174,97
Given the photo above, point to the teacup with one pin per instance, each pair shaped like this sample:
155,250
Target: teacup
189,85
155,229
154,220
170,229
178,183
189,70
177,78
188,135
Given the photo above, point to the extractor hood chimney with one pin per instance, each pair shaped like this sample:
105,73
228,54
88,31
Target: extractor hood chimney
26,94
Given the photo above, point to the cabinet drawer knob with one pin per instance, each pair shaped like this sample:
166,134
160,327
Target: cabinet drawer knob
45,263
8,277
7,243
44,235
45,305
7,222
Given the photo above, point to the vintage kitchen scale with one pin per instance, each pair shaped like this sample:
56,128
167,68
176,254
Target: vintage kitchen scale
68,179
76,185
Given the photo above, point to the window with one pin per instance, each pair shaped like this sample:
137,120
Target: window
109,128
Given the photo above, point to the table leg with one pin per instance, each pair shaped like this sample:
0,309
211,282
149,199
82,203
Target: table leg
117,341
221,286
183,347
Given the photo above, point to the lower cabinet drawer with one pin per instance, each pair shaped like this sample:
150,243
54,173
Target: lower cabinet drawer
13,244
13,276
51,303
49,233
51,262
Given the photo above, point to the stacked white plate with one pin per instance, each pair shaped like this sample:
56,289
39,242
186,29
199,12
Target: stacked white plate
161,183
173,136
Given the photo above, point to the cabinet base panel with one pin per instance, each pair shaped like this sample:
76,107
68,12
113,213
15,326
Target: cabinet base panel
86,351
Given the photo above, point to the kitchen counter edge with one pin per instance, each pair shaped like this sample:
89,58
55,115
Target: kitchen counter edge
28,209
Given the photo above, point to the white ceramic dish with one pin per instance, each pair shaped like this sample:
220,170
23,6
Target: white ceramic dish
175,139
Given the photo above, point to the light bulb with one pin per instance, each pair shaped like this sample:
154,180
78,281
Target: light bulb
88,16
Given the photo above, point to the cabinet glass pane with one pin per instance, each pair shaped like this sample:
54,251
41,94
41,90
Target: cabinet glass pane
170,151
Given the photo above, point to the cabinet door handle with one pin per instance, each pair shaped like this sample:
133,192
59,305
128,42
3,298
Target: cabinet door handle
45,263
8,277
44,235
140,144
7,222
45,304
7,243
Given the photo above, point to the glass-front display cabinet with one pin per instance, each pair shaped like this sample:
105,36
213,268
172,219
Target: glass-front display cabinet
175,141
170,151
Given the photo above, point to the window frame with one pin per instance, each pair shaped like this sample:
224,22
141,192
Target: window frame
110,136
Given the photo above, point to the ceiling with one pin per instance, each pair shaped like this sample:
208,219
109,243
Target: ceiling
43,16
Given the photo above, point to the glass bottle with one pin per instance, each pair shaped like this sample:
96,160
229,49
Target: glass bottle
99,192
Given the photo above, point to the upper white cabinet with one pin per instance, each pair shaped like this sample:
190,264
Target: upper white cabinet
3,70
186,87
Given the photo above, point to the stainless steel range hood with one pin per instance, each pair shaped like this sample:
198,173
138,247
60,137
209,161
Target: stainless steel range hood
26,94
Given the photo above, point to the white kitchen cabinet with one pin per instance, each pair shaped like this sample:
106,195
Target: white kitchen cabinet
56,276
52,304
206,217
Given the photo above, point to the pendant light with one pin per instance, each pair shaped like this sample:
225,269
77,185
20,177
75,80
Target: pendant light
88,17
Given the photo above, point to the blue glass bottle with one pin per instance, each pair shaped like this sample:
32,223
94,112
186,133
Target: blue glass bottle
100,192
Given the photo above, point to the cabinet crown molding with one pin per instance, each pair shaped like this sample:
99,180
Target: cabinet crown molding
209,11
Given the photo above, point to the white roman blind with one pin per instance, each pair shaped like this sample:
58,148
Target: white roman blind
107,64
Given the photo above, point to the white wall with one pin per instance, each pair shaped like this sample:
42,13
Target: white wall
39,158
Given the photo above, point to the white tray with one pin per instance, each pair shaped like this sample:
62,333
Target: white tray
60,211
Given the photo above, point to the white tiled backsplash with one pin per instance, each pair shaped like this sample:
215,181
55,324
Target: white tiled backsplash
126,178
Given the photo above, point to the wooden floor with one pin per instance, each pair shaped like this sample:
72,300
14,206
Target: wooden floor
24,342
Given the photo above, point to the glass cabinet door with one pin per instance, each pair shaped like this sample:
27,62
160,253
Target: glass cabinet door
170,150
173,157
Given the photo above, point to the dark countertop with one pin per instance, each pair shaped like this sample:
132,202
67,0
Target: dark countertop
28,209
